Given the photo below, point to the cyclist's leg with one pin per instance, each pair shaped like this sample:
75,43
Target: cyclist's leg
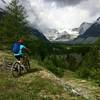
20,59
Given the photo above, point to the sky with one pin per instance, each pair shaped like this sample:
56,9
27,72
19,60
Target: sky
65,14
61,14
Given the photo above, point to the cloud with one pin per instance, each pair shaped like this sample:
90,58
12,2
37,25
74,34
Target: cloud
50,16
3,1
92,6
63,3
1,4
44,14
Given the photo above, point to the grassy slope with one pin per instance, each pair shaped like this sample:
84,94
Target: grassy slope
40,84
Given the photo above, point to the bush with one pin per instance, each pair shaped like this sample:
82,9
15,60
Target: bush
52,65
83,72
90,68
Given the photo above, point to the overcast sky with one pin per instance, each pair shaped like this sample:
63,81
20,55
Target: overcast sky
63,14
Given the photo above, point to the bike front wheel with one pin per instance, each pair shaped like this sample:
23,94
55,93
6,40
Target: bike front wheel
16,69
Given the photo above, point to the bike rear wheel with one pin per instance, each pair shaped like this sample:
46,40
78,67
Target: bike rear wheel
16,69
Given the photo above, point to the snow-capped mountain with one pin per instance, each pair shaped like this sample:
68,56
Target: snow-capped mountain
82,28
98,20
51,34
60,35
74,33
94,30
90,35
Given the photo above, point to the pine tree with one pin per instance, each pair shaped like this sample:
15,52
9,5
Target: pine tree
14,20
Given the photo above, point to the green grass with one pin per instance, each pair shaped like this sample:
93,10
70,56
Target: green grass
30,87
35,85
39,84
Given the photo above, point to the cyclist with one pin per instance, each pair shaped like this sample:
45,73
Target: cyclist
19,50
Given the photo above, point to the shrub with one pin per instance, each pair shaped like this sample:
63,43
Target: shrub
52,65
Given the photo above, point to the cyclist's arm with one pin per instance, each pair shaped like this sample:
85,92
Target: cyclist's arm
27,49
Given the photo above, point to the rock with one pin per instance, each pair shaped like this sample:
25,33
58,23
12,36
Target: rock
83,81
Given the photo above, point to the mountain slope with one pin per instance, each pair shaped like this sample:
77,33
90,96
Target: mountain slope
37,85
83,27
93,31
40,84
37,33
91,35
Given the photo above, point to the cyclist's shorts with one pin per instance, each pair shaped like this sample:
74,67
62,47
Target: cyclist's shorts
18,57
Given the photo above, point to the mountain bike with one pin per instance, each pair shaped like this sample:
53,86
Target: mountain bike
17,69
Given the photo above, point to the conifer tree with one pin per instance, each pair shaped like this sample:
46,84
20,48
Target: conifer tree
14,20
